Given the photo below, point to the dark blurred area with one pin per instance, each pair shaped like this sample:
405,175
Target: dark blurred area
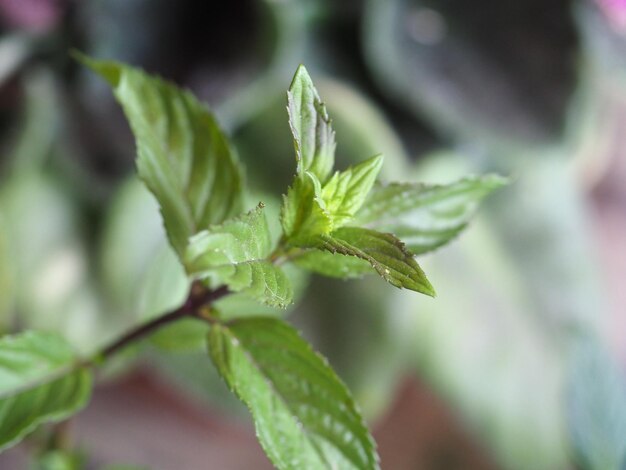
519,363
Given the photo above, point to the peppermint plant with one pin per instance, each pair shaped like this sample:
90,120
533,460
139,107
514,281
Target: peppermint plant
342,224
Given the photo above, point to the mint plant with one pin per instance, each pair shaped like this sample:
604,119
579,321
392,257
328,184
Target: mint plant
341,224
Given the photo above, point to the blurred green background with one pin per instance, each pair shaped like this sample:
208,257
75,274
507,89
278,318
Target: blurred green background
519,363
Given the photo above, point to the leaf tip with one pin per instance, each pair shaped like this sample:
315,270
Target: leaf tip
107,69
378,161
427,287
497,181
79,56
423,287
301,75
430,291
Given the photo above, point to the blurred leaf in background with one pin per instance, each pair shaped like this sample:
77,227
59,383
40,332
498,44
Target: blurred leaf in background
596,405
45,236
139,270
500,74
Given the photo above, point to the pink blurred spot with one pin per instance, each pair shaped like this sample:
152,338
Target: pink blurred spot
615,11
36,16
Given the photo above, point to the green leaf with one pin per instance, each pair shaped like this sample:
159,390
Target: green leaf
425,217
241,239
386,253
333,264
303,214
314,138
304,415
239,305
346,191
261,280
310,209
39,382
235,253
184,158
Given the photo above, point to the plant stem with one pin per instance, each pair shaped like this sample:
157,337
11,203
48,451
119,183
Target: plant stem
199,297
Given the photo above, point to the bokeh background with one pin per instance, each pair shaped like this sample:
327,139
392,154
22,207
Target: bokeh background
519,363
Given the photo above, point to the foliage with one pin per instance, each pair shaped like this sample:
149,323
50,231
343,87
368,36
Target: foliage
41,381
342,224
